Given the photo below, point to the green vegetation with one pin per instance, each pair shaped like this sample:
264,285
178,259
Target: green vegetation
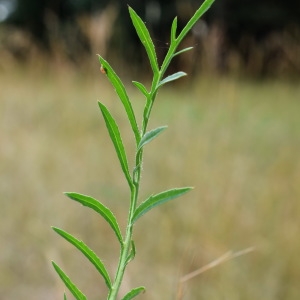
142,136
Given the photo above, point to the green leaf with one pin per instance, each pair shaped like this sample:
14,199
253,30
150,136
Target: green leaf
150,135
173,46
141,87
172,78
145,38
182,51
198,14
132,253
155,200
133,293
173,30
121,91
117,141
69,284
99,208
65,296
87,252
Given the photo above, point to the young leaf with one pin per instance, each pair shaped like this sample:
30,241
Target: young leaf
172,78
121,91
99,208
150,135
117,141
131,255
155,200
145,38
69,284
87,252
182,51
133,293
141,87
173,30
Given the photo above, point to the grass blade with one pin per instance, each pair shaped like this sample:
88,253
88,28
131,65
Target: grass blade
87,252
117,141
121,91
133,293
145,38
69,284
99,208
172,78
156,200
141,87
150,135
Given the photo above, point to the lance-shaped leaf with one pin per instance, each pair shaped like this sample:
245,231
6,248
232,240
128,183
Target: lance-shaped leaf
141,87
150,135
121,91
133,293
198,14
131,254
99,208
145,38
155,200
87,252
69,284
117,141
172,78
173,30
183,50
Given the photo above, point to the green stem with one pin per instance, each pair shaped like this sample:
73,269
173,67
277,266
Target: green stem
125,250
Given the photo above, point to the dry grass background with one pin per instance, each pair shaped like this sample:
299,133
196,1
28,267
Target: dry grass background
237,142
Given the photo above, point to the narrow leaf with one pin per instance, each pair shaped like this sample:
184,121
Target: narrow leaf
182,51
141,87
145,38
117,141
172,78
132,253
150,135
173,30
155,200
198,14
99,208
65,296
87,252
121,91
69,284
133,293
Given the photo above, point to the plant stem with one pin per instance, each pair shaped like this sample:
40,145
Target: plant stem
127,244
125,250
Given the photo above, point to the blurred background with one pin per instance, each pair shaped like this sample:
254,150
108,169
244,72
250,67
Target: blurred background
234,134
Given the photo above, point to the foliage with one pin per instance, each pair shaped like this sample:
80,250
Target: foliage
142,137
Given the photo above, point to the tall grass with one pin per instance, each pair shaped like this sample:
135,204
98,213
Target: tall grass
244,163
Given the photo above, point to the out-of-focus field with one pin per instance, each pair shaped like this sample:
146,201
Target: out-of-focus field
237,142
